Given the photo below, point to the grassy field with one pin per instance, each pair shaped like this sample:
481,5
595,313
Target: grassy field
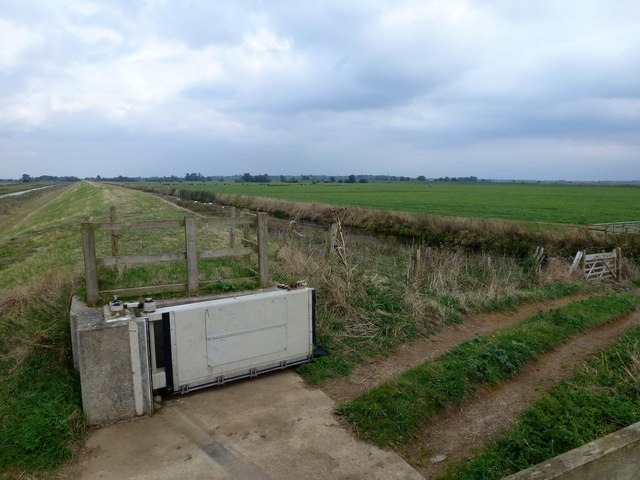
570,204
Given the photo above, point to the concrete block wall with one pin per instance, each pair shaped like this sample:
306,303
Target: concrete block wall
112,359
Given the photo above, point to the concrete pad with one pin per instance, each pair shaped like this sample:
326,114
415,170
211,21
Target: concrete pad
271,427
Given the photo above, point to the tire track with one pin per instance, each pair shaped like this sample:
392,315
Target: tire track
377,370
461,430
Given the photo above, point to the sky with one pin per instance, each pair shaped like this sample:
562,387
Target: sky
504,89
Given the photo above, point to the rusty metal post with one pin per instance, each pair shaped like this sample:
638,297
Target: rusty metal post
232,230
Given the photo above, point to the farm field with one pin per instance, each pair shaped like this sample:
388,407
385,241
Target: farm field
374,301
568,204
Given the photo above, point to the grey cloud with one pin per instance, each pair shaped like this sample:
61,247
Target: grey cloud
304,87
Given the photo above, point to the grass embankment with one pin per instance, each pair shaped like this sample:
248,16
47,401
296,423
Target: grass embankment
391,412
602,397
41,268
515,235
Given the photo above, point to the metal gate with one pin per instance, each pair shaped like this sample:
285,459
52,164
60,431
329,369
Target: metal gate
209,343
599,266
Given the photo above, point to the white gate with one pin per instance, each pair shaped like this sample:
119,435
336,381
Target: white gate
598,266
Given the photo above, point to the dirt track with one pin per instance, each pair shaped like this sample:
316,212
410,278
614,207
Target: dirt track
380,369
461,430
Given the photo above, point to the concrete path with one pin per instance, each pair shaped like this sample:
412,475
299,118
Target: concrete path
272,427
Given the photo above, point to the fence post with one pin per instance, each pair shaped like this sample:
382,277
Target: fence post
90,270
245,228
416,259
232,230
618,251
333,238
191,234
263,254
115,248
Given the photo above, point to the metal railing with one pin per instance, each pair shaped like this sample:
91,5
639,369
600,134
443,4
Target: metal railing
616,228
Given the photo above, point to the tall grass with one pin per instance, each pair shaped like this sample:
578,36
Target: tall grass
374,296
39,390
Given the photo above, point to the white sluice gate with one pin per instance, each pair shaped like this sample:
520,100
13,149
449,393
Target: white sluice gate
209,343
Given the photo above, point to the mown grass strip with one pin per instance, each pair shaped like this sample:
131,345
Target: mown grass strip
391,412
602,397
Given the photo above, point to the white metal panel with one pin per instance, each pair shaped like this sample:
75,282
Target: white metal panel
245,331
239,336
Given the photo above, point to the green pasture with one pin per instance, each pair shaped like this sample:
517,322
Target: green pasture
569,204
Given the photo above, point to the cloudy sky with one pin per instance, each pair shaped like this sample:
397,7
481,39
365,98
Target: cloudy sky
541,89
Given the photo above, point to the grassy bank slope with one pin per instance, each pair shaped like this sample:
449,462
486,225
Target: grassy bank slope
41,267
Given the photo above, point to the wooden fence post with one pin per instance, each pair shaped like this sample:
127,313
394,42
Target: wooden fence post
618,263
232,230
333,238
246,228
115,247
263,253
417,258
90,270
191,238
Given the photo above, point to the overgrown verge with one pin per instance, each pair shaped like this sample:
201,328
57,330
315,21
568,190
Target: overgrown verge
390,413
602,397
40,403
517,239
373,295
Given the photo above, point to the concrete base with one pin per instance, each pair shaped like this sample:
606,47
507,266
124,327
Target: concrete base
111,357
614,457
271,427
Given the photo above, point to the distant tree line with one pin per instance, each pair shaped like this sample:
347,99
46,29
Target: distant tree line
26,178
119,178
247,177
457,179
